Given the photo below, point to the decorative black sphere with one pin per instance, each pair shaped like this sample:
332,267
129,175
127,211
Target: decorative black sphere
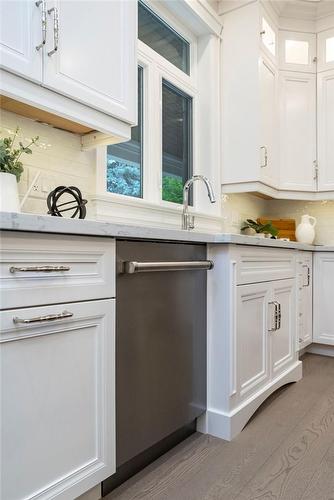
77,204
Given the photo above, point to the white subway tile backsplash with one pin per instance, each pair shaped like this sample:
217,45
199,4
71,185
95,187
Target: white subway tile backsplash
58,157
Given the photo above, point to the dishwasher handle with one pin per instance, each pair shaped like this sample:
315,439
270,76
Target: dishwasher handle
132,267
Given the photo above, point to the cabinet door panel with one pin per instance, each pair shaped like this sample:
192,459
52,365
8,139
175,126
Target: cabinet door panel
57,401
252,337
326,130
20,33
297,92
95,62
297,51
325,50
283,340
304,300
268,147
323,290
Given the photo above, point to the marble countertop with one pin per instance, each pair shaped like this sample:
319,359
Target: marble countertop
47,224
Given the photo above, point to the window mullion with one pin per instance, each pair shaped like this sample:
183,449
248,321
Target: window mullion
152,168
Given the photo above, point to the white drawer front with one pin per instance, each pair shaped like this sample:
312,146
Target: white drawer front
57,394
83,269
255,265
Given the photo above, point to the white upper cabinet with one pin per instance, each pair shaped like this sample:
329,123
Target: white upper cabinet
326,130
268,93
91,54
82,53
297,51
249,102
268,127
20,34
326,50
298,152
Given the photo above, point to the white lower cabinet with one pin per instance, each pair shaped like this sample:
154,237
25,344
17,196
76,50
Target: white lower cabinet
304,300
57,399
252,361
283,334
323,293
265,332
252,331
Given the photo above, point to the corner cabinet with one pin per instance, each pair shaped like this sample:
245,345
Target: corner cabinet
298,130
251,334
57,384
84,51
278,107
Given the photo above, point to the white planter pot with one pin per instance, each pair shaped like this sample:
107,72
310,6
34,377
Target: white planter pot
9,195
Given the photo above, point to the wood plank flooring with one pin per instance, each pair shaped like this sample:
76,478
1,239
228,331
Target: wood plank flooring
285,452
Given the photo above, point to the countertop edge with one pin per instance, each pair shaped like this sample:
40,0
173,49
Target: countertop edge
10,221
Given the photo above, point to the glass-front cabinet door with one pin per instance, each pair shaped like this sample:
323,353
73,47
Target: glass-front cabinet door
297,51
326,50
269,37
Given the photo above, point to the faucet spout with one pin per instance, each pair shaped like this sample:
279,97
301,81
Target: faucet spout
187,219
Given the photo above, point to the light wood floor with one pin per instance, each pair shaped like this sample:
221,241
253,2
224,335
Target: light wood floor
285,452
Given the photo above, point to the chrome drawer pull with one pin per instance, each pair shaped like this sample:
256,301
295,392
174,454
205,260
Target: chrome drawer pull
41,319
145,267
39,269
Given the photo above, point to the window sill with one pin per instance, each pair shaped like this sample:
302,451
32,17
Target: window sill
138,211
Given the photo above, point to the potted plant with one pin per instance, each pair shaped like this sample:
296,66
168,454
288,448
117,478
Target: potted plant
11,169
252,228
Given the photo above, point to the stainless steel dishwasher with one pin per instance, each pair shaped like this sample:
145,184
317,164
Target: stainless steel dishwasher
160,349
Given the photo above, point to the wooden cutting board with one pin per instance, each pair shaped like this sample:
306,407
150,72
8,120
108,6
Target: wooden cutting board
286,227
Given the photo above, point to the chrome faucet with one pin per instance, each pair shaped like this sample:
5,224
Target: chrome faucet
188,220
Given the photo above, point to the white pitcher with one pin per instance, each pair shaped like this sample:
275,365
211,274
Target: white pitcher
305,232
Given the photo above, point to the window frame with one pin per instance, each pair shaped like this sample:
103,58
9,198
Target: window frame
156,69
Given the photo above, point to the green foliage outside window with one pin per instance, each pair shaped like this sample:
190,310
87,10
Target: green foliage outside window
172,189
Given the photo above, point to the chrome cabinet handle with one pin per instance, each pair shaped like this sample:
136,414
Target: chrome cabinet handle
145,267
308,275
279,316
41,319
274,303
265,156
55,29
43,18
39,269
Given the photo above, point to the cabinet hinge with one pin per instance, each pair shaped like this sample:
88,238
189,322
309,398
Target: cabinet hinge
316,170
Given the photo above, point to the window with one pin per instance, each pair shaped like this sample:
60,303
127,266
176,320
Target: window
125,160
164,40
155,164
176,141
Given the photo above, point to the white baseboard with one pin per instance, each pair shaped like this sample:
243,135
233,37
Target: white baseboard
92,494
322,349
228,425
